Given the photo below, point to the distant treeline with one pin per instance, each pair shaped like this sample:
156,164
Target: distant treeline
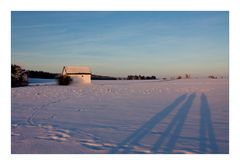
41,74
129,77
140,77
98,77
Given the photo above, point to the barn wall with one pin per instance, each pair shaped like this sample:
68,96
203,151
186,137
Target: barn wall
64,72
82,79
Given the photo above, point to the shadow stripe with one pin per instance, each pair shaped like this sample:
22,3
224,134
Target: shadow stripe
206,128
176,122
136,136
181,117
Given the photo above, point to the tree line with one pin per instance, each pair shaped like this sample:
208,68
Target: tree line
140,77
42,74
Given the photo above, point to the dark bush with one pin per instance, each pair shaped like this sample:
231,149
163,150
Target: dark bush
212,77
64,80
179,77
187,76
19,77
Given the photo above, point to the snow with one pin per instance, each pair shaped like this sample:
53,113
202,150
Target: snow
152,116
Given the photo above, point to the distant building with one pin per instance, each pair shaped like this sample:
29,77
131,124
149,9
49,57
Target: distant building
79,74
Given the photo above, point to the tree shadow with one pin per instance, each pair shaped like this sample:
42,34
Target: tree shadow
175,127
206,128
126,145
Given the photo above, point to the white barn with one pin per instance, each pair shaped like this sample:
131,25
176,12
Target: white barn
79,74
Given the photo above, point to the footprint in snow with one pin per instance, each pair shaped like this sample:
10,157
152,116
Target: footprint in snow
59,135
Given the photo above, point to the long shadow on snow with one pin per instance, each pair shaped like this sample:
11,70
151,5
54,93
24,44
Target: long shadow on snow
136,136
175,126
206,128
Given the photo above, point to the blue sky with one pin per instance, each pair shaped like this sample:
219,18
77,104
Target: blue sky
123,43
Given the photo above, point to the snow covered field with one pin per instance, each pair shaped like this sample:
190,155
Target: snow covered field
181,116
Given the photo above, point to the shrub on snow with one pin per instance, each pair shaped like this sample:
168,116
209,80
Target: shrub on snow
64,80
19,76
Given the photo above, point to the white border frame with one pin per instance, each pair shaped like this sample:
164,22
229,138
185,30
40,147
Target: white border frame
6,6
